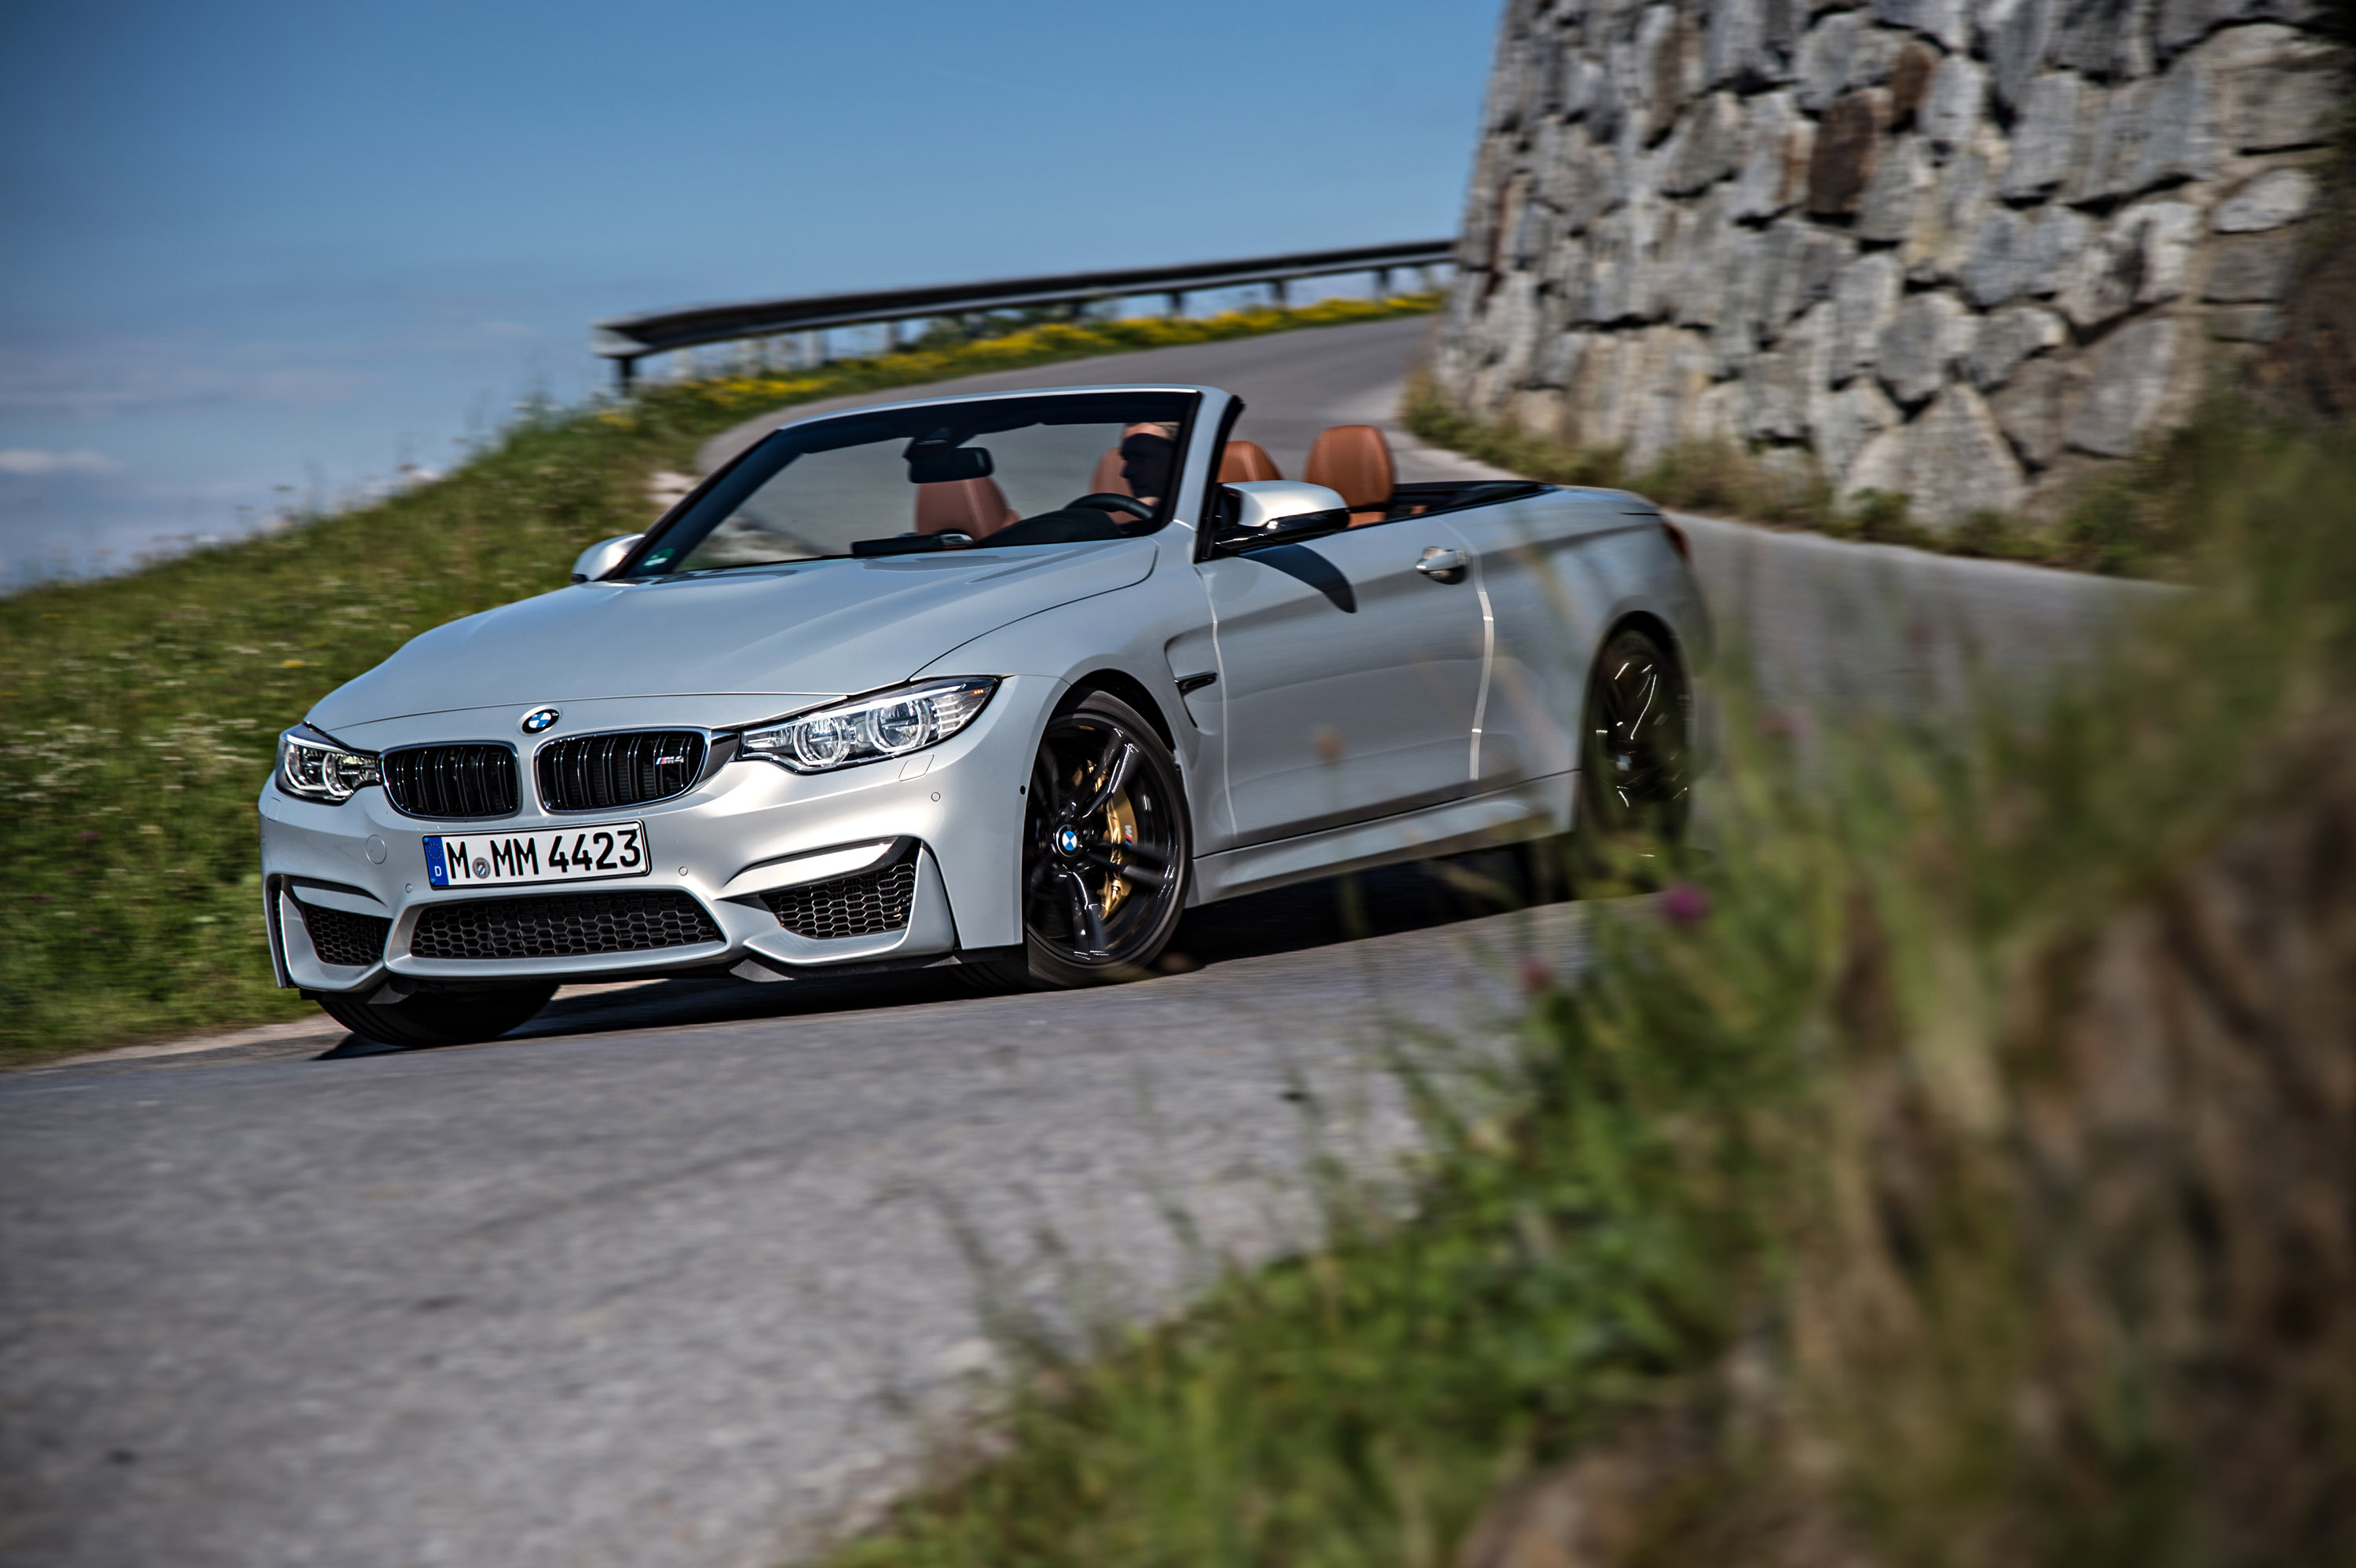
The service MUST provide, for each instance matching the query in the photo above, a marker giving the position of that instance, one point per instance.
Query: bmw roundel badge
(539, 719)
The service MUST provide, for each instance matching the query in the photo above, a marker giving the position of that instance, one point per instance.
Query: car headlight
(869, 729)
(314, 766)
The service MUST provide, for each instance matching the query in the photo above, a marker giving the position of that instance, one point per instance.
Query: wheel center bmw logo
(539, 719)
(1068, 840)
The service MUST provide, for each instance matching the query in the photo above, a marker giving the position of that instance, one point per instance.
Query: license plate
(567, 855)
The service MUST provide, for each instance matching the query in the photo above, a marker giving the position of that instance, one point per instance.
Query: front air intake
(446, 783)
(600, 772)
(565, 925)
(339, 937)
(866, 904)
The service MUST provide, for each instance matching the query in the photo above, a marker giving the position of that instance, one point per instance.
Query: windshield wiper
(910, 544)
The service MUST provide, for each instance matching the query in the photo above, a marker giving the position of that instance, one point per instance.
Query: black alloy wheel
(1105, 848)
(1637, 755)
(440, 1018)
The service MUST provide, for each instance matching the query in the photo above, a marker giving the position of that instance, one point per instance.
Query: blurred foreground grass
(1959, 1169)
(144, 710)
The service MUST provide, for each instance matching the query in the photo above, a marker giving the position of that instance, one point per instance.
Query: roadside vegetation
(143, 710)
(1958, 1168)
(2125, 523)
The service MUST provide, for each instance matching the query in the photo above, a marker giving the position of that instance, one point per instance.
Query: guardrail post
(1279, 291)
(1382, 282)
(624, 372)
(1176, 301)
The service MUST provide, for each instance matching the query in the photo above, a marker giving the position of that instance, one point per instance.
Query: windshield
(1033, 469)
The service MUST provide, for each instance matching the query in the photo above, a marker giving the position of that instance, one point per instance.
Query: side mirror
(604, 555)
(1273, 511)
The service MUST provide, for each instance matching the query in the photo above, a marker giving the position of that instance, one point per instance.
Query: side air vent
(599, 773)
(567, 925)
(354, 941)
(448, 782)
(866, 904)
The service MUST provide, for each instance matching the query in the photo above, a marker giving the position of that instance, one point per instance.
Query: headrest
(1355, 460)
(975, 506)
(1246, 463)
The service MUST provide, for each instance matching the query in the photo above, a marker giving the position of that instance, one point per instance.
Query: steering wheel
(1106, 501)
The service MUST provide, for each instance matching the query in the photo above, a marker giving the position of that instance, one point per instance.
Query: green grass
(1786, 1164)
(143, 710)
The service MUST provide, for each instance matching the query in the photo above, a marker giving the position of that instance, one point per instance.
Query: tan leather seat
(1354, 461)
(1107, 479)
(1244, 461)
(974, 507)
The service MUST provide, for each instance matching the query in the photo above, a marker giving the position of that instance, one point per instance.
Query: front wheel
(1637, 755)
(1105, 848)
(440, 1018)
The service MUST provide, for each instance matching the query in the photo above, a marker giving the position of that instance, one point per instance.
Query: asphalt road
(673, 1276)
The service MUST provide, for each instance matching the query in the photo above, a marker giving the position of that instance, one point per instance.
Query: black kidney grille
(867, 904)
(451, 780)
(355, 941)
(565, 925)
(597, 772)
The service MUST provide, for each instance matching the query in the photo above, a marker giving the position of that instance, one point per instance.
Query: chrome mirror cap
(1264, 504)
(602, 557)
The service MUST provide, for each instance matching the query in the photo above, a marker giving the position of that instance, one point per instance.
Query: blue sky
(256, 252)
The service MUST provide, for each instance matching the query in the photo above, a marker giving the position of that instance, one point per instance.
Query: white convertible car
(1004, 682)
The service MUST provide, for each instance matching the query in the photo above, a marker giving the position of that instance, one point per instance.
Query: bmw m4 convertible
(1004, 682)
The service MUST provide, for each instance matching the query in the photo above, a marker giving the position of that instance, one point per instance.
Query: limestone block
(1706, 147)
(2053, 109)
(2014, 36)
(2252, 269)
(1942, 19)
(2140, 259)
(1840, 423)
(2008, 337)
(1673, 67)
(1797, 263)
(1559, 361)
(1735, 335)
(1952, 460)
(1901, 180)
(2246, 323)
(1913, 351)
(1871, 56)
(2183, 22)
(1582, 84)
(2277, 88)
(1865, 297)
(2273, 199)
(1734, 39)
(2105, 38)
(1718, 413)
(1667, 371)
(2152, 132)
(2033, 412)
(1783, 384)
(1842, 162)
(2054, 239)
(1694, 255)
(1997, 266)
(1956, 105)
(1774, 172)
(2135, 381)
(1821, 69)
(1943, 237)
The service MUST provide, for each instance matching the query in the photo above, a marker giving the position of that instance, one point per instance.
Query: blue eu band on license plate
(592, 852)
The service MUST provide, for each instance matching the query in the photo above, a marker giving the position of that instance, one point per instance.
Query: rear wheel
(1635, 754)
(440, 1018)
(1105, 850)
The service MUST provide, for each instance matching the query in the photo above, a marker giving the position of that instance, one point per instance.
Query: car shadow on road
(1323, 913)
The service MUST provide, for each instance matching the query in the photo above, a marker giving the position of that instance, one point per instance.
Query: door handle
(1441, 565)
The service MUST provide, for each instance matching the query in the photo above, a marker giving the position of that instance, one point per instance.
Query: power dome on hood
(814, 626)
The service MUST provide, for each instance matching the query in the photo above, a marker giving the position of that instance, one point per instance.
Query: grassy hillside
(1961, 1170)
(143, 710)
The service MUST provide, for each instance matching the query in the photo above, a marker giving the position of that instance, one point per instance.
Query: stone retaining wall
(1961, 248)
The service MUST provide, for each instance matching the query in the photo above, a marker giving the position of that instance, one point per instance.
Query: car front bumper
(750, 828)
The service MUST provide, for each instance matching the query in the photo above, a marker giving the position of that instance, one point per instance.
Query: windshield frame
(1196, 401)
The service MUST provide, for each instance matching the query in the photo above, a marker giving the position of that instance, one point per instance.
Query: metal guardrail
(628, 339)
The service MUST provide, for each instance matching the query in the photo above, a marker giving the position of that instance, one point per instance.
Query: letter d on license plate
(586, 854)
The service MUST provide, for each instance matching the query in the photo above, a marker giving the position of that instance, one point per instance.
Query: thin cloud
(33, 461)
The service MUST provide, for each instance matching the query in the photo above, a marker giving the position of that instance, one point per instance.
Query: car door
(1546, 576)
(1350, 668)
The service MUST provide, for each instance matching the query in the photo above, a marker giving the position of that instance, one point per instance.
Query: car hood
(820, 629)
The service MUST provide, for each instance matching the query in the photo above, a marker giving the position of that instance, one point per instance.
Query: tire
(1635, 772)
(440, 1018)
(1105, 849)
